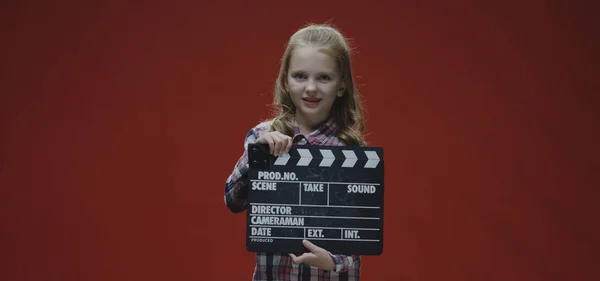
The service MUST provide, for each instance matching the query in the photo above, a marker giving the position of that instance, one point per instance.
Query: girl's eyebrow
(330, 74)
(318, 73)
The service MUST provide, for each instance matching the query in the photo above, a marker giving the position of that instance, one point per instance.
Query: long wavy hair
(347, 110)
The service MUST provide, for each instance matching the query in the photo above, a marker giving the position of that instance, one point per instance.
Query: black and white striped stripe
(344, 157)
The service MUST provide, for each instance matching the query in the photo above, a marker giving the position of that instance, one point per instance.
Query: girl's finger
(271, 142)
(289, 144)
(286, 143)
(278, 144)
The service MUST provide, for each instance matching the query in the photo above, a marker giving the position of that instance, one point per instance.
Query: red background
(115, 148)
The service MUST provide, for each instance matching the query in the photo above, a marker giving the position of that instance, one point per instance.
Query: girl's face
(313, 83)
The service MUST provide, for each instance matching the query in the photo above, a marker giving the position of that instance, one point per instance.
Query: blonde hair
(347, 110)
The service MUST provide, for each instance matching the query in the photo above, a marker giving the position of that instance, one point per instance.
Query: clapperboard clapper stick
(329, 195)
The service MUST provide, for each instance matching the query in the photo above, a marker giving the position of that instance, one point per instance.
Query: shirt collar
(318, 136)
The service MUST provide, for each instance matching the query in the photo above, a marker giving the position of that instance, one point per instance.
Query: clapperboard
(329, 195)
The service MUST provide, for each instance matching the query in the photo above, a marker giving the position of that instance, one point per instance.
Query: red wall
(115, 148)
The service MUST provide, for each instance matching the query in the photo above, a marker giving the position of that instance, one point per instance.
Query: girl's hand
(318, 257)
(278, 142)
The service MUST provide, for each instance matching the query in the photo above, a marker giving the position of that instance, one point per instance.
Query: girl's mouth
(311, 102)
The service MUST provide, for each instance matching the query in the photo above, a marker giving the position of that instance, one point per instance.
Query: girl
(316, 102)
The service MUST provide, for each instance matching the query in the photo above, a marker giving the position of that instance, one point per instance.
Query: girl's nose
(310, 86)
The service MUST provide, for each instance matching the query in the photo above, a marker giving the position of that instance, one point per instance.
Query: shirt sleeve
(343, 263)
(236, 186)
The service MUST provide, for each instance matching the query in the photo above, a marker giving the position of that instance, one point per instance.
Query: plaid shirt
(279, 267)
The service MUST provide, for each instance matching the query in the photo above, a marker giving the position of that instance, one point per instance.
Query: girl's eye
(324, 77)
(299, 76)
